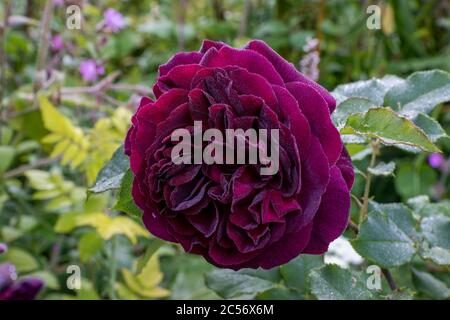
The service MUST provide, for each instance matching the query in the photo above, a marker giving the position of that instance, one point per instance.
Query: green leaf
(424, 208)
(389, 127)
(430, 285)
(110, 176)
(296, 272)
(22, 260)
(125, 202)
(436, 232)
(90, 243)
(413, 180)
(154, 245)
(431, 127)
(188, 273)
(372, 90)
(51, 281)
(383, 169)
(437, 255)
(331, 282)
(421, 92)
(387, 236)
(348, 107)
(66, 222)
(7, 154)
(236, 284)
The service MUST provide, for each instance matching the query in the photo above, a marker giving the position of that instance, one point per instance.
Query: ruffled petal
(247, 59)
(315, 178)
(332, 217)
(345, 165)
(315, 109)
(282, 251)
(180, 58)
(287, 70)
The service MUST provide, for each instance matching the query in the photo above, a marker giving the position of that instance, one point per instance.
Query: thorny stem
(365, 200)
(365, 204)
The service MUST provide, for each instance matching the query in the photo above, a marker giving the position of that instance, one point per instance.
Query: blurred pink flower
(436, 160)
(114, 20)
(58, 3)
(56, 43)
(90, 70)
(12, 289)
(309, 64)
(3, 248)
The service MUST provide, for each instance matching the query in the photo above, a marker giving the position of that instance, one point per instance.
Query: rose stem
(365, 204)
(390, 280)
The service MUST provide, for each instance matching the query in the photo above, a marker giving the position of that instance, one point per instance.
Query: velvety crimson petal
(282, 251)
(251, 105)
(332, 217)
(298, 123)
(157, 112)
(129, 140)
(315, 177)
(287, 70)
(146, 119)
(246, 243)
(198, 105)
(185, 176)
(241, 217)
(208, 44)
(206, 221)
(178, 118)
(138, 195)
(251, 83)
(315, 109)
(157, 225)
(282, 205)
(180, 58)
(228, 257)
(345, 165)
(179, 77)
(247, 59)
(188, 195)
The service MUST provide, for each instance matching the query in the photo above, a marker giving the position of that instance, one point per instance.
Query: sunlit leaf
(389, 127)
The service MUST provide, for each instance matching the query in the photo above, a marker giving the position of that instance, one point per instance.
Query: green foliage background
(62, 202)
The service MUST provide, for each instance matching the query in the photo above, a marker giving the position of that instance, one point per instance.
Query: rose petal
(282, 251)
(180, 58)
(315, 177)
(247, 59)
(332, 217)
(345, 165)
(315, 109)
(287, 70)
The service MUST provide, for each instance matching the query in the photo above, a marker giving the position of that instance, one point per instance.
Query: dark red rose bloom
(230, 214)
